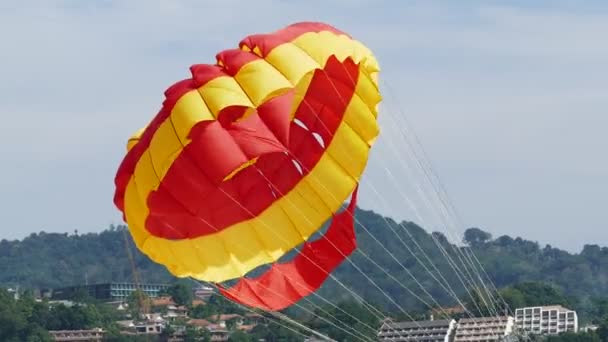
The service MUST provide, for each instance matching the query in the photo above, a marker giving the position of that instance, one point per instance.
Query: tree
(74, 317)
(602, 330)
(274, 332)
(16, 322)
(36, 333)
(192, 334)
(137, 301)
(239, 336)
(231, 323)
(475, 237)
(81, 295)
(51, 260)
(346, 313)
(539, 293)
(202, 311)
(181, 294)
(167, 332)
(574, 337)
(513, 298)
(480, 302)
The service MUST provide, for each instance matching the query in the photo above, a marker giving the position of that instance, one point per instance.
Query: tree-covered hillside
(53, 260)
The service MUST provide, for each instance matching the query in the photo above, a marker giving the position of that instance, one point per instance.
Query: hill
(44, 260)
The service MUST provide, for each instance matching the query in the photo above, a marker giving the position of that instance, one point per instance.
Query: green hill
(46, 260)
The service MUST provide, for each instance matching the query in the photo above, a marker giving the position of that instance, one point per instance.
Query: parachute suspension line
(445, 285)
(354, 265)
(264, 223)
(435, 187)
(466, 250)
(392, 255)
(398, 282)
(493, 289)
(382, 268)
(233, 199)
(409, 249)
(451, 262)
(333, 317)
(445, 218)
(373, 236)
(462, 276)
(349, 156)
(398, 262)
(364, 338)
(437, 243)
(277, 319)
(357, 334)
(370, 308)
(188, 209)
(300, 325)
(386, 221)
(143, 304)
(345, 312)
(351, 262)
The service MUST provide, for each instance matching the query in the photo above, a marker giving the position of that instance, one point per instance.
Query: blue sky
(508, 99)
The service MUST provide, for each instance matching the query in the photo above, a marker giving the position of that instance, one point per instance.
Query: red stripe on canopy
(286, 283)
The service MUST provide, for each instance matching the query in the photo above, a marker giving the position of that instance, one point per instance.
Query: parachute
(249, 157)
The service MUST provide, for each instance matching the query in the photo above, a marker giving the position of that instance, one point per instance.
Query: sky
(508, 100)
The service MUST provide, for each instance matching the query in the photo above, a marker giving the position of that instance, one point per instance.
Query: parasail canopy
(249, 156)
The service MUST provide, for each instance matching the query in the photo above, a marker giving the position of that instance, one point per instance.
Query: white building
(423, 331)
(546, 320)
(484, 329)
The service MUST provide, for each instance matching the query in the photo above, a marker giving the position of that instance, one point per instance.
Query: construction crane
(144, 308)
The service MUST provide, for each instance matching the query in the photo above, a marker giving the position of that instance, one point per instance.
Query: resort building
(546, 320)
(418, 331)
(484, 329)
(109, 291)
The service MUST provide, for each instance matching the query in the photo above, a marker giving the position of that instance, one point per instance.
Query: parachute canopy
(249, 156)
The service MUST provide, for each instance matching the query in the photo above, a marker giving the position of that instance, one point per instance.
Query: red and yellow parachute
(249, 157)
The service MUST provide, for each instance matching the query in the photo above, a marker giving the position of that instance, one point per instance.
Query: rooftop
(419, 324)
(547, 307)
(484, 319)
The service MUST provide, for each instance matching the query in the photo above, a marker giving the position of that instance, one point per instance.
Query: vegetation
(47, 260)
(28, 320)
(526, 273)
(344, 320)
(181, 293)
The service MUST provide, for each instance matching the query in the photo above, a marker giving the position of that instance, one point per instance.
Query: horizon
(459, 243)
(506, 99)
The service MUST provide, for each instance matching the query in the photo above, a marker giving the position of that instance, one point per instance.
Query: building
(152, 326)
(484, 329)
(109, 291)
(218, 332)
(77, 335)
(203, 292)
(423, 331)
(546, 320)
(589, 328)
(172, 310)
(14, 292)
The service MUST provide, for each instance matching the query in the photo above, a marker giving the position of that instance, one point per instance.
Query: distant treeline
(47, 260)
